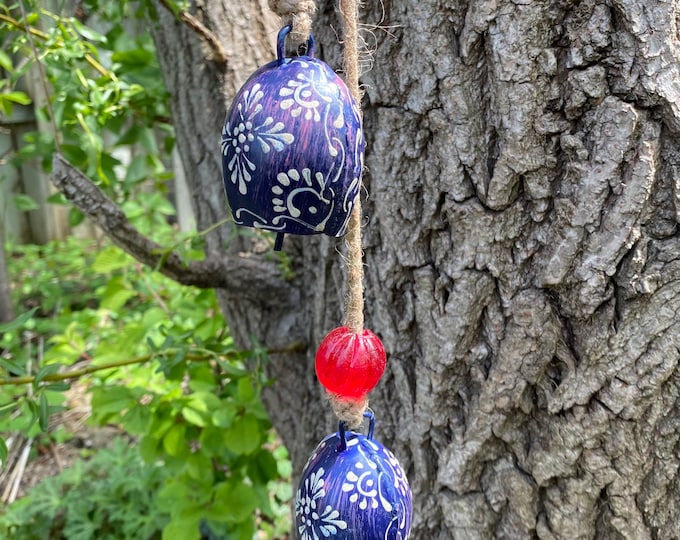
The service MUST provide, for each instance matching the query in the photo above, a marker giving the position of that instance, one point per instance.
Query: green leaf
(262, 467)
(137, 170)
(44, 412)
(57, 198)
(212, 441)
(116, 294)
(185, 529)
(135, 57)
(33, 411)
(17, 97)
(75, 217)
(243, 531)
(59, 386)
(74, 153)
(244, 436)
(224, 416)
(44, 371)
(87, 32)
(5, 62)
(7, 108)
(193, 416)
(174, 367)
(7, 408)
(148, 448)
(153, 316)
(137, 419)
(17, 323)
(174, 441)
(24, 203)
(3, 451)
(204, 402)
(245, 392)
(234, 503)
(107, 400)
(13, 368)
(200, 467)
(110, 259)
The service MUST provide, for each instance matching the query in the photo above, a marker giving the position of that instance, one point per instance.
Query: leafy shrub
(112, 496)
(161, 364)
(157, 356)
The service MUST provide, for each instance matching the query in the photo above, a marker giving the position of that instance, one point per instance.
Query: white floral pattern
(313, 521)
(246, 130)
(303, 187)
(353, 491)
(400, 480)
(362, 486)
(292, 149)
(366, 481)
(301, 95)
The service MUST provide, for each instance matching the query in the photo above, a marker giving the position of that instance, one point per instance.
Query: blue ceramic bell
(353, 488)
(292, 148)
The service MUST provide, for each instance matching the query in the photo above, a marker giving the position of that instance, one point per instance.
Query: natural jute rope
(354, 316)
(352, 412)
(297, 12)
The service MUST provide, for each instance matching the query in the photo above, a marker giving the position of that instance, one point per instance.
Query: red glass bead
(350, 364)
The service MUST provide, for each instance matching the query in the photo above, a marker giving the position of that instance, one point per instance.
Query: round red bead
(350, 364)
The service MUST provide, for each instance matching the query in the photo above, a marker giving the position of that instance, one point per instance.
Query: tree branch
(202, 30)
(89, 199)
(93, 368)
(42, 35)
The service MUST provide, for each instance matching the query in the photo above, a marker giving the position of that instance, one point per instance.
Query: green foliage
(157, 356)
(113, 496)
(195, 405)
(106, 92)
(163, 368)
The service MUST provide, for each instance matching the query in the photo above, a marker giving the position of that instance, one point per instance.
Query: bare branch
(89, 199)
(202, 30)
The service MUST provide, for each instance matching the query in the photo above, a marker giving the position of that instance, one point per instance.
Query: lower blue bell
(353, 488)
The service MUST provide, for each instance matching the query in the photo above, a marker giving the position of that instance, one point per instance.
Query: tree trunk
(521, 249)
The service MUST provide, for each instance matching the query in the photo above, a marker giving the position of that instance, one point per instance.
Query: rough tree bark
(521, 247)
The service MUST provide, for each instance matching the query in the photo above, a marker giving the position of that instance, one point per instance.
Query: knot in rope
(299, 13)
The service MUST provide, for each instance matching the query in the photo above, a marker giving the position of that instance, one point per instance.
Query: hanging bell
(292, 148)
(353, 488)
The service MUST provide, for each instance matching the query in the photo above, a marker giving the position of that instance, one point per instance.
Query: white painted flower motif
(310, 203)
(365, 483)
(303, 98)
(313, 520)
(362, 484)
(243, 130)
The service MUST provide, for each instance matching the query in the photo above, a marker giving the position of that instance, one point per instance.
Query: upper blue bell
(292, 147)
(353, 488)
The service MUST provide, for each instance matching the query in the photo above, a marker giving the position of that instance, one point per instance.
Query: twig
(77, 373)
(239, 273)
(202, 30)
(21, 468)
(192, 357)
(85, 195)
(11, 458)
(244, 273)
(42, 35)
(55, 455)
